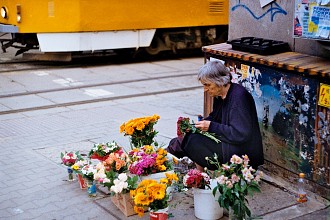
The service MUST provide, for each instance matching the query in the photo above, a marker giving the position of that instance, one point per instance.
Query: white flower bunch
(111, 146)
(120, 183)
(88, 171)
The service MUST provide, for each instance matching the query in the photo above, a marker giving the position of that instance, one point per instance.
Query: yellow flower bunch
(140, 130)
(151, 193)
(170, 178)
(161, 160)
(139, 124)
(148, 149)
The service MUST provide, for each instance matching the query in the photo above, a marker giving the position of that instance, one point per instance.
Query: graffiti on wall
(273, 9)
(295, 131)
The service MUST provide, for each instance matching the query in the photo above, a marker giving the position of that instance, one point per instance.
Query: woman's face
(212, 89)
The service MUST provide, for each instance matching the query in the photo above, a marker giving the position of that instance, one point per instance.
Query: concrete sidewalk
(33, 182)
(276, 201)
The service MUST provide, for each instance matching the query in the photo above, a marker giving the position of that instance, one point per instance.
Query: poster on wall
(312, 19)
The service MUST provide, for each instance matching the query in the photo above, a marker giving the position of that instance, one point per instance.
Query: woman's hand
(203, 125)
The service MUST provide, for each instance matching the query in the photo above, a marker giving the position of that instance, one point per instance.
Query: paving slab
(33, 182)
(272, 203)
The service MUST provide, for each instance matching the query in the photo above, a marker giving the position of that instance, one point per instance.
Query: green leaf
(214, 191)
(252, 189)
(248, 212)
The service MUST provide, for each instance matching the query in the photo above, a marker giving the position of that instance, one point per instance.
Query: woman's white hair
(214, 72)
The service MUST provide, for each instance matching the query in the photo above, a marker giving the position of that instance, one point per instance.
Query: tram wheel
(155, 46)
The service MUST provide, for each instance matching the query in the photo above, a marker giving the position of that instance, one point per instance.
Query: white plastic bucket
(205, 205)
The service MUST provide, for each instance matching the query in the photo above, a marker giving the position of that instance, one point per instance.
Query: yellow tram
(86, 25)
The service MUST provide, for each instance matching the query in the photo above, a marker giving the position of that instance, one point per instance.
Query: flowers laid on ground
(234, 182)
(196, 179)
(146, 160)
(184, 126)
(141, 130)
(101, 151)
(151, 193)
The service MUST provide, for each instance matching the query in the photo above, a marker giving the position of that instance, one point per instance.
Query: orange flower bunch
(117, 161)
(140, 130)
(151, 193)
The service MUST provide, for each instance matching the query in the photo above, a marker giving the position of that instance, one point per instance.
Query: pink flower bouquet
(146, 160)
(235, 181)
(196, 179)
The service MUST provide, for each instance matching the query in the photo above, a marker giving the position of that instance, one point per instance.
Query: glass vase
(70, 174)
(91, 188)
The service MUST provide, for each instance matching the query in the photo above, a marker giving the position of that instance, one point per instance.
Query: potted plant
(117, 161)
(121, 187)
(107, 170)
(148, 160)
(113, 174)
(68, 159)
(234, 182)
(140, 130)
(150, 163)
(205, 205)
(77, 169)
(152, 194)
(88, 172)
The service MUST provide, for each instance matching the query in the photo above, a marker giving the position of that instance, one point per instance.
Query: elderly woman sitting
(233, 119)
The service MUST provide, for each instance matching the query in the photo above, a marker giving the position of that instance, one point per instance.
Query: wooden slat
(304, 62)
(273, 59)
(320, 70)
(293, 61)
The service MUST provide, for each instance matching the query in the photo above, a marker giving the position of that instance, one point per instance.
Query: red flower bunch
(101, 151)
(184, 126)
(69, 158)
(197, 179)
